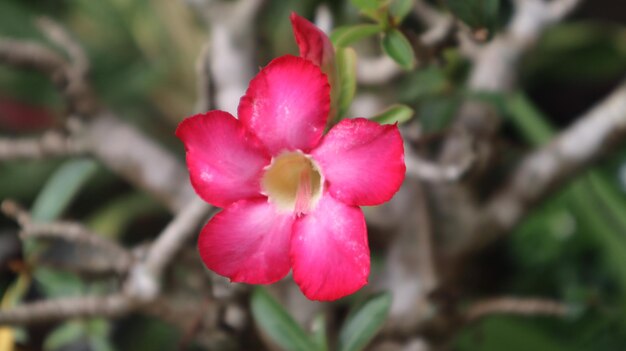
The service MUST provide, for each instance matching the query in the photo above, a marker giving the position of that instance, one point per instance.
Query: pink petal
(225, 161)
(248, 242)
(362, 161)
(313, 43)
(329, 251)
(287, 104)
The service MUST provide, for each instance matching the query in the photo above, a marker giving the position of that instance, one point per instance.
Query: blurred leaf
(320, 337)
(276, 322)
(366, 4)
(114, 217)
(502, 333)
(396, 113)
(65, 334)
(12, 296)
(346, 66)
(528, 119)
(362, 325)
(436, 113)
(347, 35)
(423, 83)
(399, 9)
(578, 51)
(61, 188)
(396, 45)
(57, 283)
(22, 179)
(476, 13)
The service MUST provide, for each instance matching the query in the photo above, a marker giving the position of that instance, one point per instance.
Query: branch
(594, 134)
(64, 308)
(431, 172)
(126, 151)
(516, 306)
(68, 231)
(50, 144)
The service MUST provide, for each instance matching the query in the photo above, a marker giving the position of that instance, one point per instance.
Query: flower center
(293, 182)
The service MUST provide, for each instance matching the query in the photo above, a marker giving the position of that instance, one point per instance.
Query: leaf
(366, 4)
(276, 322)
(320, 337)
(362, 325)
(528, 119)
(476, 13)
(347, 35)
(61, 188)
(399, 9)
(396, 113)
(346, 66)
(65, 334)
(396, 45)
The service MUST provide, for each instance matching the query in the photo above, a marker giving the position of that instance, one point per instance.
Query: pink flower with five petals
(291, 195)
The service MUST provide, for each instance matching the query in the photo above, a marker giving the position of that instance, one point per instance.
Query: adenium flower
(291, 194)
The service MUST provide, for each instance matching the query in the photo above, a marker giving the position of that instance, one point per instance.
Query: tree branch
(69, 231)
(516, 306)
(590, 137)
(50, 144)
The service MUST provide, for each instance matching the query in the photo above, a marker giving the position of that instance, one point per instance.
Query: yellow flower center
(293, 182)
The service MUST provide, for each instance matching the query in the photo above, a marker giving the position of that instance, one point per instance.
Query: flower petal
(248, 242)
(362, 161)
(225, 161)
(313, 43)
(287, 104)
(329, 250)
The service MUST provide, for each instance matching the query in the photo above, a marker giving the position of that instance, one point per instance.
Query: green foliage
(398, 47)
(363, 323)
(346, 66)
(476, 13)
(396, 113)
(276, 322)
(348, 35)
(61, 188)
(399, 9)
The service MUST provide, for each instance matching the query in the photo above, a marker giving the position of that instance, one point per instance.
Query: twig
(431, 172)
(175, 235)
(594, 133)
(205, 91)
(51, 143)
(439, 24)
(516, 306)
(63, 308)
(69, 231)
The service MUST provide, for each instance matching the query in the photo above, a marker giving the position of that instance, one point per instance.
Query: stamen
(303, 196)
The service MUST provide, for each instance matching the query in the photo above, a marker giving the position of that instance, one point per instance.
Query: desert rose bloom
(290, 195)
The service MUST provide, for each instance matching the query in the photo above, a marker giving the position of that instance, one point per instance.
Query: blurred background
(145, 57)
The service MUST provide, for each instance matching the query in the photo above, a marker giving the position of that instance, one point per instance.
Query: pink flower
(291, 195)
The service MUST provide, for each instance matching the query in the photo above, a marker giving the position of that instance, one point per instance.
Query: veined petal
(329, 250)
(248, 242)
(362, 161)
(225, 161)
(287, 104)
(313, 43)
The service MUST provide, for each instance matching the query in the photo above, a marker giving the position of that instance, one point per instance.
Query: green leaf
(320, 337)
(274, 320)
(397, 46)
(476, 13)
(396, 113)
(346, 35)
(346, 67)
(365, 5)
(64, 335)
(362, 325)
(399, 9)
(61, 188)
(528, 119)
